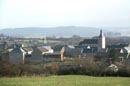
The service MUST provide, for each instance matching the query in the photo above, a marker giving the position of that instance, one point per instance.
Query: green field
(69, 80)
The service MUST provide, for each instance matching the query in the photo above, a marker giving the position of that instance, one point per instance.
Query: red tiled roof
(42, 49)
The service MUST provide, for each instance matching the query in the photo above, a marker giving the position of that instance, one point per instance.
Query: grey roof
(89, 41)
(57, 47)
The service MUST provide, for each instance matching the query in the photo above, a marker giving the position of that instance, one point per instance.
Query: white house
(128, 50)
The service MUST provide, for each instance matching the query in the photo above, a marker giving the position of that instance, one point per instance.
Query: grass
(68, 80)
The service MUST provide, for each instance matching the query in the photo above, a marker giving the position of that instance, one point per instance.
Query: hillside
(62, 31)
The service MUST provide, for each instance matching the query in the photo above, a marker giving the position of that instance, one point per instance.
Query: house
(128, 50)
(17, 55)
(21, 55)
(28, 54)
(123, 50)
(57, 56)
(88, 51)
(72, 52)
(35, 56)
(51, 57)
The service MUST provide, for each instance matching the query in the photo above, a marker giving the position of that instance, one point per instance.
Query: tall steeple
(101, 34)
(102, 40)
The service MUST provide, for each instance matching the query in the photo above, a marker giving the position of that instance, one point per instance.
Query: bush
(81, 67)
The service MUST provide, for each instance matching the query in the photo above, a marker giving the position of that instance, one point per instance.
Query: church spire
(45, 39)
(101, 33)
(102, 40)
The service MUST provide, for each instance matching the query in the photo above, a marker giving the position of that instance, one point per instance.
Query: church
(98, 43)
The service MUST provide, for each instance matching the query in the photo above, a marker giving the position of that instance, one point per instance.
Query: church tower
(102, 40)
(45, 40)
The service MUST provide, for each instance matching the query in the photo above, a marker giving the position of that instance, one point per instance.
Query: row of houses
(19, 54)
(58, 53)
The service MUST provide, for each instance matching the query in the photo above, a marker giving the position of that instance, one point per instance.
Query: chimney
(62, 54)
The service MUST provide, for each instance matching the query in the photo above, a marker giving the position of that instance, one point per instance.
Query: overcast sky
(52, 13)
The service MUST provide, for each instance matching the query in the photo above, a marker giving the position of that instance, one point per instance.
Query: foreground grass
(69, 80)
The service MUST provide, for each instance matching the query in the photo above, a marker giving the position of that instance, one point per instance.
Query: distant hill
(55, 31)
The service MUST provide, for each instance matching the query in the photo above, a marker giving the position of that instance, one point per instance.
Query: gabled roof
(17, 49)
(58, 47)
(128, 49)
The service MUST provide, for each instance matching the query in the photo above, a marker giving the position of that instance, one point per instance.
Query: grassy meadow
(68, 80)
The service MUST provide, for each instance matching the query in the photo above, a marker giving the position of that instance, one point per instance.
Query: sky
(53, 13)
